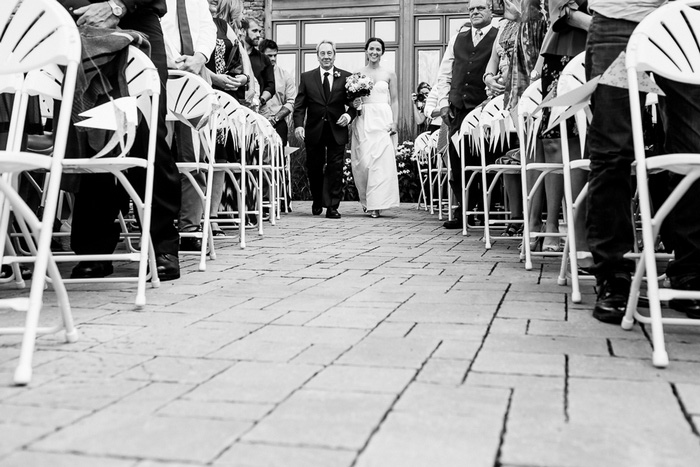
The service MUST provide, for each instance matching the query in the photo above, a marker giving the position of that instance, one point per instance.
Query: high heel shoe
(374, 214)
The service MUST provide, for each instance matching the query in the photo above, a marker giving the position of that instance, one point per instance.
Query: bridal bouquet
(358, 85)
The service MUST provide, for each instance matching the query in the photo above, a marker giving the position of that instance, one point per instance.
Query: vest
(467, 89)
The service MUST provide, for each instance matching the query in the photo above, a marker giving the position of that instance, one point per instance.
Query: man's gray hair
(325, 41)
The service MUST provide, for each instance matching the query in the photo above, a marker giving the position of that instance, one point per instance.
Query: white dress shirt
(330, 75)
(444, 76)
(202, 28)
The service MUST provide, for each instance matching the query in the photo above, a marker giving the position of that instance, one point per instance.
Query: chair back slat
(667, 42)
(34, 33)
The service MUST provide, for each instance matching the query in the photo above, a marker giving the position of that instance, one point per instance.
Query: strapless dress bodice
(379, 94)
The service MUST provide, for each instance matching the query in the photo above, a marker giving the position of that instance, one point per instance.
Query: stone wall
(255, 9)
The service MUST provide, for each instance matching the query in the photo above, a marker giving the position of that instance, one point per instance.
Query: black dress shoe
(612, 298)
(688, 306)
(453, 224)
(332, 213)
(168, 267)
(316, 211)
(190, 244)
(92, 270)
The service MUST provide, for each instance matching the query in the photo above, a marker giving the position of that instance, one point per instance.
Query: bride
(374, 137)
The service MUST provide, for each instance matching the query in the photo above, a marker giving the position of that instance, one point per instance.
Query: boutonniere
(336, 74)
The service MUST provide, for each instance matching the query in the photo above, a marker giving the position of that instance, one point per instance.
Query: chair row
(41, 50)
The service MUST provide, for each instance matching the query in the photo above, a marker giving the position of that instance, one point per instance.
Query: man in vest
(460, 85)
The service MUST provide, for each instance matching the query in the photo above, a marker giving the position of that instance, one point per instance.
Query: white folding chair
(494, 127)
(421, 151)
(664, 43)
(192, 102)
(529, 119)
(36, 33)
(468, 134)
(572, 77)
(439, 173)
(143, 86)
(233, 123)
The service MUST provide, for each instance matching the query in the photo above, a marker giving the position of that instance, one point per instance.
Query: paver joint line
(486, 334)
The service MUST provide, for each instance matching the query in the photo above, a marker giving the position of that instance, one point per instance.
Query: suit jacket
(311, 103)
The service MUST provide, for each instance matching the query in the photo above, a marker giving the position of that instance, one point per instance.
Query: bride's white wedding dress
(373, 152)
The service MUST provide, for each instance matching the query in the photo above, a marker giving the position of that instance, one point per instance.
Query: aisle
(351, 342)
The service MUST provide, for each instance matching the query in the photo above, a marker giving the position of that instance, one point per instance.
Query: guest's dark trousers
(99, 199)
(609, 222)
(326, 185)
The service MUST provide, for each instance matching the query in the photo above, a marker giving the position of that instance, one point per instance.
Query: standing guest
(459, 83)
(262, 67)
(98, 201)
(281, 104)
(321, 119)
(608, 221)
(190, 39)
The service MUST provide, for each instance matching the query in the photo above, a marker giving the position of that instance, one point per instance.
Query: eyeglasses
(476, 8)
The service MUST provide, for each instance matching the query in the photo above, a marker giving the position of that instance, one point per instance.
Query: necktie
(478, 34)
(326, 85)
(186, 47)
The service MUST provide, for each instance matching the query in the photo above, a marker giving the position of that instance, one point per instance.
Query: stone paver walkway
(357, 342)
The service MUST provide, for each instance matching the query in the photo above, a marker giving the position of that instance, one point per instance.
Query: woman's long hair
(230, 11)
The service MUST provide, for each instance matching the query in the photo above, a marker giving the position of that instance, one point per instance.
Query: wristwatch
(116, 9)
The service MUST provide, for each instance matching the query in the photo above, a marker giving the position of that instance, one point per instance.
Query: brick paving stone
(260, 351)
(77, 393)
(254, 382)
(176, 370)
(416, 312)
(584, 366)
(139, 436)
(215, 410)
(150, 398)
(443, 371)
(532, 310)
(690, 395)
(267, 455)
(14, 437)
(509, 326)
(323, 418)
(321, 354)
(546, 344)
(39, 459)
(351, 317)
(361, 379)
(40, 416)
(390, 352)
(441, 331)
(464, 424)
(522, 363)
(457, 349)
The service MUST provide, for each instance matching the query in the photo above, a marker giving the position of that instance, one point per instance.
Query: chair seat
(102, 165)
(191, 166)
(505, 168)
(545, 166)
(584, 164)
(682, 163)
(18, 161)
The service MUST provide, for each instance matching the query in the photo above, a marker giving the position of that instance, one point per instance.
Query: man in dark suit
(323, 100)
(460, 84)
(99, 199)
